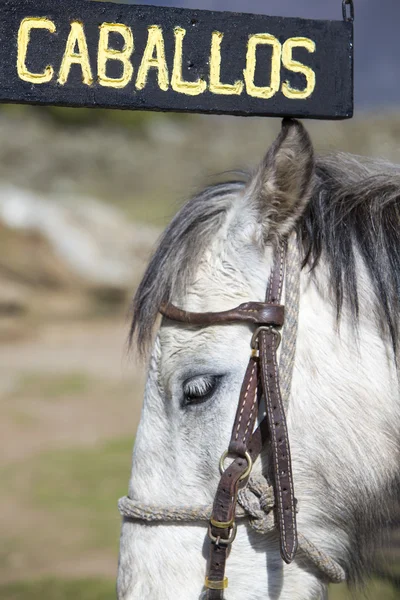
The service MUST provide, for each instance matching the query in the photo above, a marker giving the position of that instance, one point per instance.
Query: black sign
(80, 53)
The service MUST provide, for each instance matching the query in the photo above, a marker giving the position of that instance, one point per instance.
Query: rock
(73, 240)
(65, 258)
(13, 299)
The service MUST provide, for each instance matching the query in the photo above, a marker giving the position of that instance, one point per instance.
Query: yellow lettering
(24, 36)
(76, 40)
(155, 44)
(298, 67)
(190, 88)
(123, 56)
(216, 86)
(251, 65)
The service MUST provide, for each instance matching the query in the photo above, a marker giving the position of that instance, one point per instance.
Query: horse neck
(343, 419)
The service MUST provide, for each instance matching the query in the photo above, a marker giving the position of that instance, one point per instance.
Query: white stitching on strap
(274, 440)
(251, 414)
(244, 403)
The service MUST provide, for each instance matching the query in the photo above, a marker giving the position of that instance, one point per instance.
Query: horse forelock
(179, 253)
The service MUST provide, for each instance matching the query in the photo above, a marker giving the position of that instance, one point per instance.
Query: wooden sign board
(81, 53)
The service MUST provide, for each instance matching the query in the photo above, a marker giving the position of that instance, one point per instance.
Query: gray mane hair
(355, 209)
(178, 254)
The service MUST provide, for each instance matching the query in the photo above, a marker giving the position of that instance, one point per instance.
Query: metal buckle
(218, 541)
(249, 464)
(270, 329)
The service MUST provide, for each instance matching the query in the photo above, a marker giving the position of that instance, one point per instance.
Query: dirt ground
(88, 350)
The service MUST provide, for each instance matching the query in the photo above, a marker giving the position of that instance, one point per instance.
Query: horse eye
(199, 389)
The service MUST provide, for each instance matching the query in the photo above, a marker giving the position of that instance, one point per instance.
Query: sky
(377, 39)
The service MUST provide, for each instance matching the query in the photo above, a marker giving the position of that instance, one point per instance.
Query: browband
(258, 313)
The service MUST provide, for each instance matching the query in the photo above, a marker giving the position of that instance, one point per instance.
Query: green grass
(80, 487)
(55, 589)
(87, 484)
(96, 589)
(51, 387)
(375, 591)
(81, 478)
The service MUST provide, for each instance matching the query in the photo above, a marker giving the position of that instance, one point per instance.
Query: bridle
(260, 388)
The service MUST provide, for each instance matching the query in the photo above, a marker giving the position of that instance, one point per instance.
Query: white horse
(344, 409)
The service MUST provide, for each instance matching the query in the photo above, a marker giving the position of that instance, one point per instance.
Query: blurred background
(84, 195)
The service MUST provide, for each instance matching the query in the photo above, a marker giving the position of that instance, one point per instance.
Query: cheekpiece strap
(268, 343)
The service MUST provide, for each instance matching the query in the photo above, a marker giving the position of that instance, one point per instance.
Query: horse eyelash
(199, 387)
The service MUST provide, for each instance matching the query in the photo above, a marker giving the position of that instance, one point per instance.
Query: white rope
(292, 303)
(255, 502)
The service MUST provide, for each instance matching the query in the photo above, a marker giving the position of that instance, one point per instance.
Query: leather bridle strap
(268, 343)
(222, 528)
(261, 379)
(257, 313)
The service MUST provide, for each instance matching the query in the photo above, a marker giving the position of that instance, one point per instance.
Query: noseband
(260, 388)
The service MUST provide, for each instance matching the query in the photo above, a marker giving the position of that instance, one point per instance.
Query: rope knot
(262, 490)
(257, 500)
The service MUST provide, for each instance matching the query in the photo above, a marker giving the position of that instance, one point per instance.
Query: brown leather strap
(247, 411)
(258, 313)
(219, 552)
(282, 468)
(222, 525)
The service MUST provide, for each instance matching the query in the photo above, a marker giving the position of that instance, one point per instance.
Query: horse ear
(283, 183)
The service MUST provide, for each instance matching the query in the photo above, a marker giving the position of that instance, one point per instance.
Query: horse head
(338, 218)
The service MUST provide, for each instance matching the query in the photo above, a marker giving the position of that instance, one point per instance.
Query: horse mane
(178, 254)
(354, 212)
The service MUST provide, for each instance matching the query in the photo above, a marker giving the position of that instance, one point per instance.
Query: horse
(339, 216)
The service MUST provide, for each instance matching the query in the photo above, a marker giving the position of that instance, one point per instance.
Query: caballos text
(116, 48)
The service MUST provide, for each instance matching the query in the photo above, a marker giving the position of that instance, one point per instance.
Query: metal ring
(247, 471)
(218, 541)
(346, 15)
(222, 524)
(270, 329)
